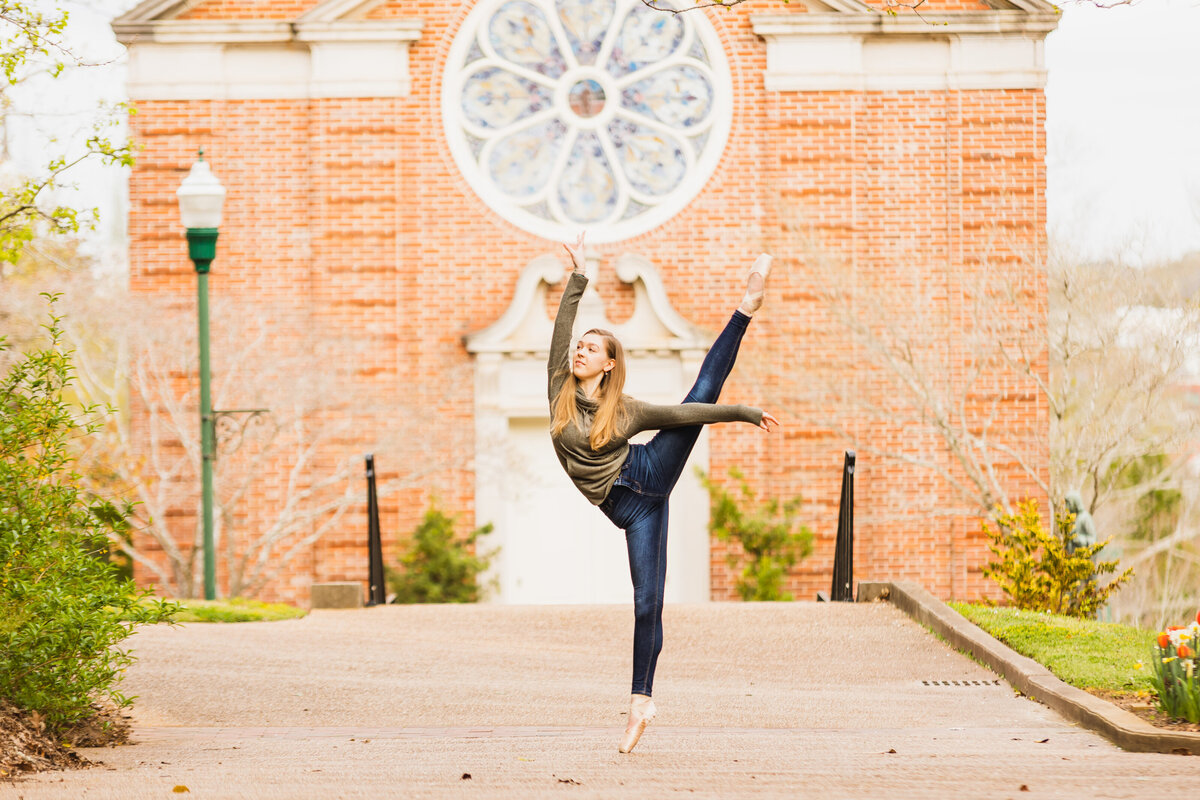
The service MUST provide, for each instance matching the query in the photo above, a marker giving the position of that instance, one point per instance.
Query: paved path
(764, 700)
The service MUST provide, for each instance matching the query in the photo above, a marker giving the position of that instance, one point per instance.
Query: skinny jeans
(637, 503)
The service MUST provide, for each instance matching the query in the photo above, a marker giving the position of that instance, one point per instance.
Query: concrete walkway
(764, 700)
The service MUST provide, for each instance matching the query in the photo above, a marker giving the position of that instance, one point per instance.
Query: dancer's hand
(577, 253)
(768, 422)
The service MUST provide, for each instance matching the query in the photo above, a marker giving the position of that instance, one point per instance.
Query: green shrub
(437, 568)
(772, 540)
(1036, 572)
(64, 610)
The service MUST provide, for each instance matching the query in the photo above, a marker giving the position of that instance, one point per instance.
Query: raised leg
(668, 451)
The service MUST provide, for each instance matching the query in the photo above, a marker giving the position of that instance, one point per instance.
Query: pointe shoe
(641, 713)
(753, 299)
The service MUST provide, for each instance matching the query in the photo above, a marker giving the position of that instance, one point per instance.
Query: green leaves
(63, 610)
(1036, 572)
(32, 43)
(437, 568)
(771, 539)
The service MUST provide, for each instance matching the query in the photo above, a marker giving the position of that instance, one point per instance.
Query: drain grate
(961, 683)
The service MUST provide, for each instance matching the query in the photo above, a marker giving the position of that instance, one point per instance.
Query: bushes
(772, 540)
(1036, 572)
(64, 610)
(436, 567)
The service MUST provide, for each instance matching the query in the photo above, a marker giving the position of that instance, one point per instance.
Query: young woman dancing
(591, 423)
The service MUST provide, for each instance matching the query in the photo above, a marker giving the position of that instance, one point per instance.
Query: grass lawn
(236, 609)
(1082, 652)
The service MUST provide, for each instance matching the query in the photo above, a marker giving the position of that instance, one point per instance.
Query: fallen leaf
(466, 776)
(1024, 788)
(891, 751)
(180, 789)
(1043, 741)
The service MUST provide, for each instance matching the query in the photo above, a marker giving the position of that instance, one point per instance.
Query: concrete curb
(1124, 729)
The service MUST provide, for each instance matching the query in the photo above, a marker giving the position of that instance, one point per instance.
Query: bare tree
(954, 357)
(944, 356)
(283, 480)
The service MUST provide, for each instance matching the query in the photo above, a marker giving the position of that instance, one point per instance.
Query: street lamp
(201, 196)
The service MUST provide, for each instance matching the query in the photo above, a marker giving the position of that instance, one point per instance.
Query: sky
(1122, 127)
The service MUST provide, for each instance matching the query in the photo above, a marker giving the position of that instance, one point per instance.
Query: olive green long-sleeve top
(595, 471)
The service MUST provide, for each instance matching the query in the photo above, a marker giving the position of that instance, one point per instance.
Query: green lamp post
(200, 199)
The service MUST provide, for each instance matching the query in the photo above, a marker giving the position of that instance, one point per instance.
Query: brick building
(399, 172)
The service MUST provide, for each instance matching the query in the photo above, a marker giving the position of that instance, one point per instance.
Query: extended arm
(647, 416)
(559, 363)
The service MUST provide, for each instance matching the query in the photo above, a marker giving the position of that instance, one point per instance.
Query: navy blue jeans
(638, 503)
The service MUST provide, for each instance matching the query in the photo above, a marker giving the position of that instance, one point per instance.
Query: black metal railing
(377, 593)
(843, 556)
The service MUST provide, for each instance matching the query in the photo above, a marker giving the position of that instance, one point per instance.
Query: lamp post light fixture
(200, 199)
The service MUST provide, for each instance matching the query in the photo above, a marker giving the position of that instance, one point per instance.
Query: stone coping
(1124, 729)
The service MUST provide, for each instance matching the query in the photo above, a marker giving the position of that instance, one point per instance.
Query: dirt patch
(26, 746)
(1146, 707)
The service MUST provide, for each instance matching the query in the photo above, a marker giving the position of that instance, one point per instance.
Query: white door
(556, 547)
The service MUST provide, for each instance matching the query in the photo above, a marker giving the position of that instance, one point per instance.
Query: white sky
(1123, 125)
(1123, 129)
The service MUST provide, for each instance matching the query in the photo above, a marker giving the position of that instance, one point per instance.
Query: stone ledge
(1124, 729)
(344, 594)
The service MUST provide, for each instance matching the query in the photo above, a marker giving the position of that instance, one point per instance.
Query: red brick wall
(350, 217)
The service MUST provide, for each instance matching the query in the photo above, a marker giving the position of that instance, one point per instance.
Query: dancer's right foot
(756, 285)
(641, 712)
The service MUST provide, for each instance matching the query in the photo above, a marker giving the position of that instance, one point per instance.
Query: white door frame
(664, 353)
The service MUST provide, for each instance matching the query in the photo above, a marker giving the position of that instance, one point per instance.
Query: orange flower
(1198, 617)
(1164, 640)
(1185, 652)
(1171, 628)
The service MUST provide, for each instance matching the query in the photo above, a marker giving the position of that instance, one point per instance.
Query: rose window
(604, 114)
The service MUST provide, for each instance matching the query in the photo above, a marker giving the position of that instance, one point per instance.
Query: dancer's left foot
(641, 712)
(756, 285)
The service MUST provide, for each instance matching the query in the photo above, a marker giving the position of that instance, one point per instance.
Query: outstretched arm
(559, 363)
(647, 416)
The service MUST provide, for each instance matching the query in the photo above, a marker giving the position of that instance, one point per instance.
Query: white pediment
(845, 45)
(525, 328)
(332, 50)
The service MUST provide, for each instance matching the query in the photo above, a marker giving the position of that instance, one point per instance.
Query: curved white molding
(652, 308)
(866, 50)
(524, 327)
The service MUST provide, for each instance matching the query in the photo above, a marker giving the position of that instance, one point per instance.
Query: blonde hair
(610, 412)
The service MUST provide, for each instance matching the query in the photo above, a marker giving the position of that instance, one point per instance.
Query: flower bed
(1174, 676)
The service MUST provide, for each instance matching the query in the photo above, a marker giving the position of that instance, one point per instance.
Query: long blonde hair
(610, 412)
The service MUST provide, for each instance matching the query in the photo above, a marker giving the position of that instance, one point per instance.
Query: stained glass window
(599, 113)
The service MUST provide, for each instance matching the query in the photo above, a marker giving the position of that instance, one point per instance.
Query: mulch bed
(1146, 708)
(26, 746)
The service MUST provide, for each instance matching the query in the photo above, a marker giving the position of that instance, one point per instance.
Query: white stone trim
(878, 52)
(180, 60)
(334, 10)
(186, 31)
(330, 51)
(371, 30)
